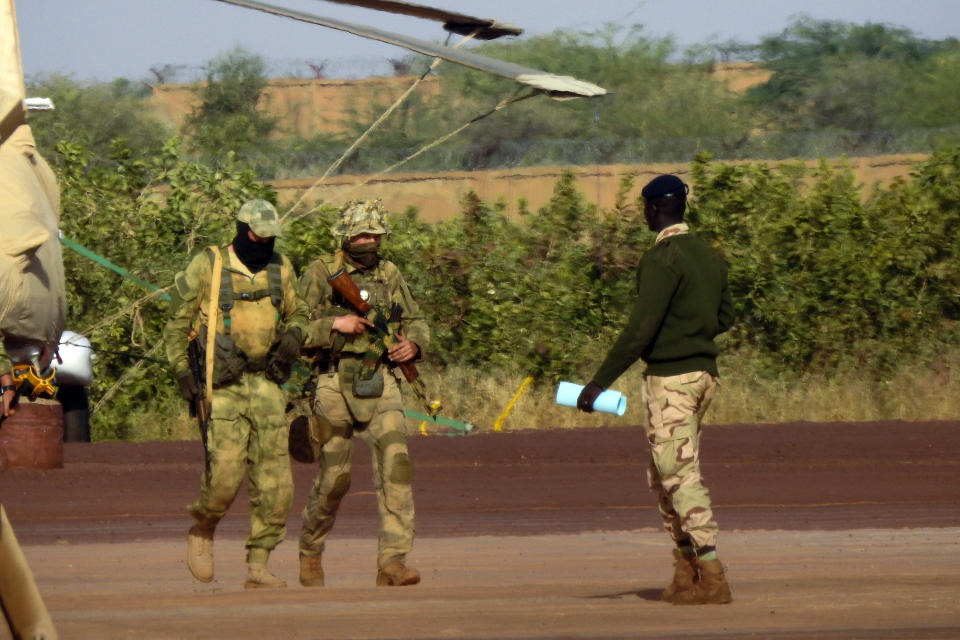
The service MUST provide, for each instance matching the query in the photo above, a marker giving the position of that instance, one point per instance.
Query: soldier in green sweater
(682, 303)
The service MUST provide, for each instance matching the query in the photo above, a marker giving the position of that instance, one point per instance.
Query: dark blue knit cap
(665, 185)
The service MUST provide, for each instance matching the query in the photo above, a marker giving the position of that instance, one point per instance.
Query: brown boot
(684, 574)
(311, 571)
(259, 577)
(397, 574)
(711, 588)
(200, 553)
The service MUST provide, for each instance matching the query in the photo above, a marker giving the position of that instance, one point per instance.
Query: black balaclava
(362, 254)
(254, 255)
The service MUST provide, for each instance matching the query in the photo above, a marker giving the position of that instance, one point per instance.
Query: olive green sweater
(682, 303)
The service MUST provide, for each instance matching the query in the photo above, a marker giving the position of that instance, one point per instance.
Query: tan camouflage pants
(248, 436)
(385, 435)
(675, 406)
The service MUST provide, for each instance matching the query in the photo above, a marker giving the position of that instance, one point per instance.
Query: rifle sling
(212, 321)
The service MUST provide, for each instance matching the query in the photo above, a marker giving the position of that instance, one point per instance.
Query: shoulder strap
(216, 277)
(275, 280)
(225, 288)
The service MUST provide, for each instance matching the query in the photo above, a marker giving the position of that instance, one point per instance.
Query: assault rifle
(199, 409)
(343, 284)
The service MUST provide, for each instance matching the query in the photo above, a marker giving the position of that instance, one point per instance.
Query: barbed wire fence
(316, 68)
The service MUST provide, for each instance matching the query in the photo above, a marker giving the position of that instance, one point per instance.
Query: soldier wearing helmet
(241, 303)
(340, 343)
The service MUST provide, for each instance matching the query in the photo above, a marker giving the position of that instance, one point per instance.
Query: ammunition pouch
(371, 387)
(354, 382)
(229, 360)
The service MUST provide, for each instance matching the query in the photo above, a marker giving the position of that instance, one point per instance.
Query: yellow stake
(498, 425)
(423, 428)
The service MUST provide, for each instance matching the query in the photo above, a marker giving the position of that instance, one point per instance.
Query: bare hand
(351, 325)
(403, 351)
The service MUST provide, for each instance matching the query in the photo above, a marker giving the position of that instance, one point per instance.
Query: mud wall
(303, 106)
(437, 196)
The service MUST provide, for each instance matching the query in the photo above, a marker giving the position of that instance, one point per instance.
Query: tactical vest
(225, 359)
(227, 297)
(376, 284)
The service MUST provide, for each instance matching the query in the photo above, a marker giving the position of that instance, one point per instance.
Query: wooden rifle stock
(343, 284)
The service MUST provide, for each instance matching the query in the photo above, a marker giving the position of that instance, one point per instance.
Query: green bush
(824, 277)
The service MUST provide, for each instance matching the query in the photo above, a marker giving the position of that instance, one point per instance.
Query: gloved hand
(587, 397)
(288, 348)
(284, 353)
(188, 388)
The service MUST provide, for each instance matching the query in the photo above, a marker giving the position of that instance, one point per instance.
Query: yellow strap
(498, 425)
(212, 321)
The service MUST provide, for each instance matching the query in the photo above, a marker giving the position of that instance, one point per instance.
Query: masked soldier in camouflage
(341, 340)
(251, 296)
(682, 303)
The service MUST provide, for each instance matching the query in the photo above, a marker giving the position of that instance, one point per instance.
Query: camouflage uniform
(675, 407)
(379, 422)
(247, 429)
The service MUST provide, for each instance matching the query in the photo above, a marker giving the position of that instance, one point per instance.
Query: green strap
(225, 301)
(275, 281)
(462, 427)
(109, 265)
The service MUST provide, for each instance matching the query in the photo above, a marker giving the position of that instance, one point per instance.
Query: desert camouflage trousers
(385, 436)
(675, 407)
(248, 435)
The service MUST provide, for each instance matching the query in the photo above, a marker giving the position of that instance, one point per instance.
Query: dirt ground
(828, 531)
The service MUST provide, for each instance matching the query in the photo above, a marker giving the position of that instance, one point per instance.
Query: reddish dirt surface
(829, 531)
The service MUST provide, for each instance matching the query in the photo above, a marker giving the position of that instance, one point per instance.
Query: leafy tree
(94, 116)
(228, 117)
(832, 76)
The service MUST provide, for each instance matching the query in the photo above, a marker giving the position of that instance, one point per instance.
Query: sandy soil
(829, 531)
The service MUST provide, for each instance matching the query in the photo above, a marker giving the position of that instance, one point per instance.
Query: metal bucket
(32, 438)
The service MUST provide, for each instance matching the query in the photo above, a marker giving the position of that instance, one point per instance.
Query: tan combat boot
(397, 574)
(200, 553)
(259, 577)
(684, 575)
(311, 571)
(711, 588)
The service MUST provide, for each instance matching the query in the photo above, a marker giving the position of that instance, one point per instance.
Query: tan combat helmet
(261, 216)
(361, 216)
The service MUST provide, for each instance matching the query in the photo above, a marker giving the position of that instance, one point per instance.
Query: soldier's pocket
(330, 404)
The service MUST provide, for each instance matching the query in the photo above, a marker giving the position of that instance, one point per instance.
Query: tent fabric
(32, 303)
(12, 90)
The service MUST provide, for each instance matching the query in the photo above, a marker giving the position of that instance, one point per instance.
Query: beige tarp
(12, 90)
(32, 305)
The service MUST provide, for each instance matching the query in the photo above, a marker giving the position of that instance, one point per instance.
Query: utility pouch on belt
(229, 360)
(351, 384)
(369, 388)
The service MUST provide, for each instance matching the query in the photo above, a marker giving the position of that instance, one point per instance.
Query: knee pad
(401, 471)
(340, 486)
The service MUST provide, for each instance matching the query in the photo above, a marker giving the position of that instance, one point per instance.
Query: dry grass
(916, 392)
(747, 395)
